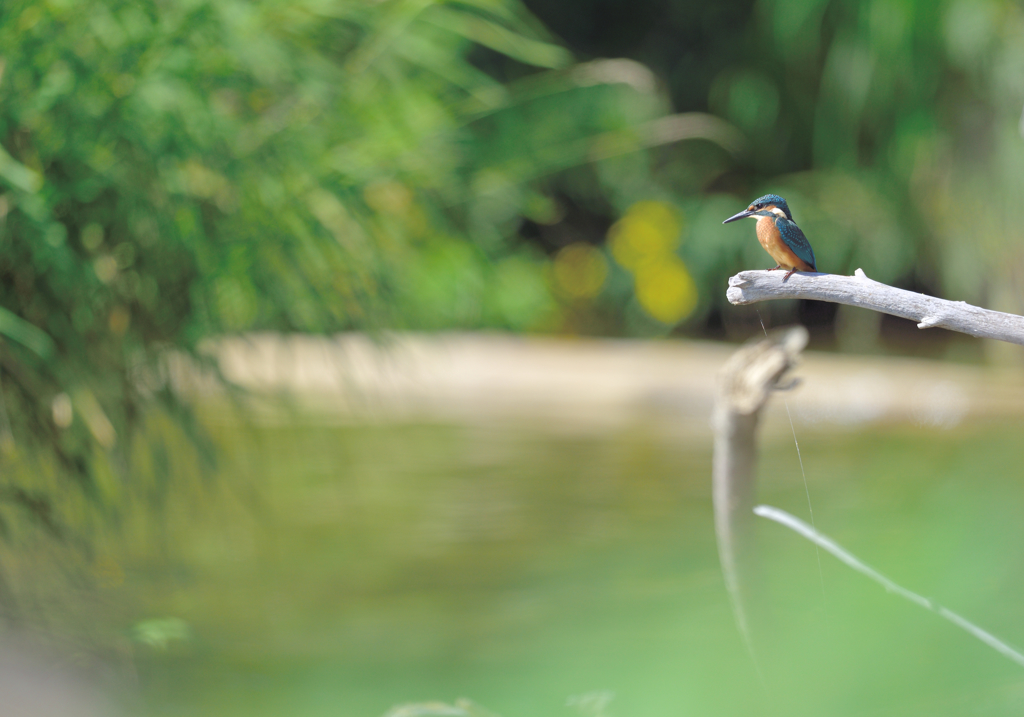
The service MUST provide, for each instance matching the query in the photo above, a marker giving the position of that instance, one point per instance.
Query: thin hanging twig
(825, 543)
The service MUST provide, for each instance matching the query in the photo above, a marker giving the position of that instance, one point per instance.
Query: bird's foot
(779, 266)
(788, 274)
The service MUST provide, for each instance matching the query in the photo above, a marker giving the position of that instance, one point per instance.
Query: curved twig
(749, 287)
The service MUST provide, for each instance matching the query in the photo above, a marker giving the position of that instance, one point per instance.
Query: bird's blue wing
(796, 240)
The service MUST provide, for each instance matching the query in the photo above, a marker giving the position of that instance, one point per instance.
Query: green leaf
(499, 38)
(31, 337)
(18, 175)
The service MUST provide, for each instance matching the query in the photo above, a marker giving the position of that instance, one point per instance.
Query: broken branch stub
(744, 384)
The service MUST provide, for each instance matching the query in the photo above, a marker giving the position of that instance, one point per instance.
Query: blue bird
(779, 234)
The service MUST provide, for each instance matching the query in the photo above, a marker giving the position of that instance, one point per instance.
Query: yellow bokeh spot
(644, 242)
(388, 197)
(119, 320)
(647, 232)
(664, 217)
(580, 270)
(666, 290)
(394, 199)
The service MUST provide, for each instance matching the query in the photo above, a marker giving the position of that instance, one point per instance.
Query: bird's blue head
(762, 207)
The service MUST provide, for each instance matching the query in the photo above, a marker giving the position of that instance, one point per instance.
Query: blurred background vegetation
(172, 171)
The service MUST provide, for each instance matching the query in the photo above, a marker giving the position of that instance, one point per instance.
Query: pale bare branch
(749, 287)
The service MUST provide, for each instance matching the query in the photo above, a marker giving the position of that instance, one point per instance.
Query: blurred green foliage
(176, 170)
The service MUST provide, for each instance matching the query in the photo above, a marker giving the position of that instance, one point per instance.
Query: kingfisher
(779, 234)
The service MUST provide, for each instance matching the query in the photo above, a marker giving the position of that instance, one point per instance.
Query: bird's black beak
(742, 215)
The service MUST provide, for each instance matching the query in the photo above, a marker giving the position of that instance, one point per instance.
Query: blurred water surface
(348, 569)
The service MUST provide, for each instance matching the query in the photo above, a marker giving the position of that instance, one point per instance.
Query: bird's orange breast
(769, 237)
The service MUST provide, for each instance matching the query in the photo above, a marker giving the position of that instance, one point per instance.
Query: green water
(345, 570)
